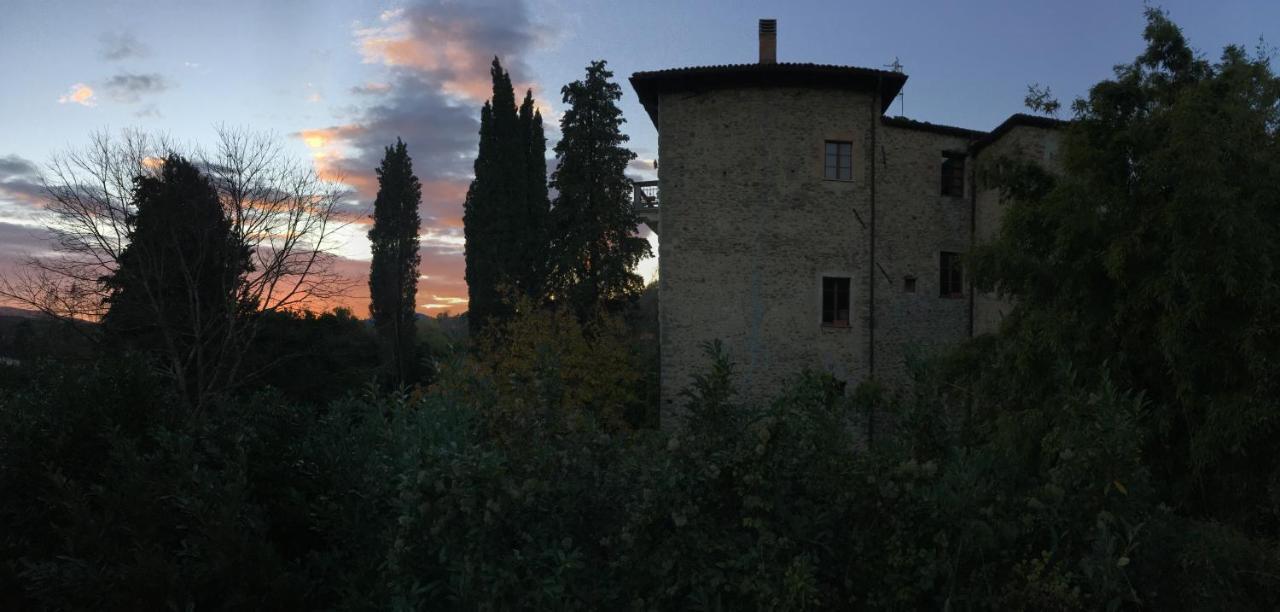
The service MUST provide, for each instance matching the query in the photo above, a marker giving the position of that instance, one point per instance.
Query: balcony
(644, 199)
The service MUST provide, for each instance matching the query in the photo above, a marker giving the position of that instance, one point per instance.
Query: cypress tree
(596, 244)
(393, 273)
(533, 229)
(506, 210)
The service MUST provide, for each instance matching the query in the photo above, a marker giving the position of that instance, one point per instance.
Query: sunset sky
(339, 80)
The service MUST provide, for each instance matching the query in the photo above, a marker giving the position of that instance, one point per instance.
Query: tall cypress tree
(393, 274)
(531, 264)
(596, 247)
(506, 211)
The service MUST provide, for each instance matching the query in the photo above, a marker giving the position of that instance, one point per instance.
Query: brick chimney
(768, 41)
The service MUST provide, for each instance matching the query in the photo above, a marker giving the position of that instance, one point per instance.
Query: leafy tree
(314, 358)
(393, 273)
(1153, 262)
(504, 216)
(176, 291)
(596, 247)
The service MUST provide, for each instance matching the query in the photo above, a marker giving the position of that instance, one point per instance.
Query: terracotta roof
(649, 85)
(925, 126)
(1014, 121)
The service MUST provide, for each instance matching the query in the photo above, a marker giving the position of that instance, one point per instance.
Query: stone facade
(750, 227)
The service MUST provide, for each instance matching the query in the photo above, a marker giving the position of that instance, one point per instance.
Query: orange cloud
(326, 145)
(79, 94)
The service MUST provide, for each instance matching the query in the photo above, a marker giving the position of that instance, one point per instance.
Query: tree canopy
(1153, 263)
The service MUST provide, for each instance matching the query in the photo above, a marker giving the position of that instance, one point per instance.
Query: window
(909, 284)
(951, 279)
(835, 301)
(953, 174)
(839, 162)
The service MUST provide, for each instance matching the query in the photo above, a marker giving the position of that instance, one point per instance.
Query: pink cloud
(452, 42)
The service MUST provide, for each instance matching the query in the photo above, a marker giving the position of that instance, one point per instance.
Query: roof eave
(1016, 120)
(650, 85)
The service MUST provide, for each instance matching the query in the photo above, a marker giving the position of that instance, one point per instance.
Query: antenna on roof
(896, 66)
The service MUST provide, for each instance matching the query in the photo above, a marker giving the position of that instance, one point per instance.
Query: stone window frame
(834, 322)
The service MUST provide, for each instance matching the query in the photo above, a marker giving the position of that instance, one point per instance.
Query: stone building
(803, 228)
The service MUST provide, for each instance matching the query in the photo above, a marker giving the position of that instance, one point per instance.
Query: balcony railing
(645, 195)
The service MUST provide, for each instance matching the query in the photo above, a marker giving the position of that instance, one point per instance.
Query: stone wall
(750, 227)
(915, 224)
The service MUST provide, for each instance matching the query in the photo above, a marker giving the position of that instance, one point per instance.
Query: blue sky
(337, 80)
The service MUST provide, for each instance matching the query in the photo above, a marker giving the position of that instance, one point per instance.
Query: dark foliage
(1152, 262)
(596, 247)
(313, 358)
(177, 289)
(393, 273)
(505, 213)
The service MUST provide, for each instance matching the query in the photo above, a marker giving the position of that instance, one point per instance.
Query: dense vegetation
(1107, 449)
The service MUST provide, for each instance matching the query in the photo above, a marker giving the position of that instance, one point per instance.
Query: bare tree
(278, 209)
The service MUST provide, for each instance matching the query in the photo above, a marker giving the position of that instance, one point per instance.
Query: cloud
(12, 166)
(78, 94)
(22, 229)
(129, 88)
(18, 241)
(441, 135)
(149, 111)
(117, 46)
(453, 42)
(21, 203)
(371, 89)
(20, 190)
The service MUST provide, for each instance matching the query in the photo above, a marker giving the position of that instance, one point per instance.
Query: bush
(420, 501)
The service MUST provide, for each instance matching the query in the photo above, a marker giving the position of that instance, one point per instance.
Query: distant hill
(27, 334)
(21, 313)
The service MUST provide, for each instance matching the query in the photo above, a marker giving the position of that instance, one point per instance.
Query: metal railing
(645, 195)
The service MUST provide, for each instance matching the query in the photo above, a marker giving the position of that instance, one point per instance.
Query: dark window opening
(951, 278)
(909, 284)
(953, 174)
(839, 161)
(835, 301)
